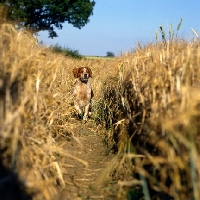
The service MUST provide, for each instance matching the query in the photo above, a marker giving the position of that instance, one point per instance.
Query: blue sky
(118, 25)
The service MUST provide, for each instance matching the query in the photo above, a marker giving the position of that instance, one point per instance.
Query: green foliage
(110, 54)
(170, 32)
(66, 51)
(47, 14)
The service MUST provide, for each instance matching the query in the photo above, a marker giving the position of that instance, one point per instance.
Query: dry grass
(30, 110)
(147, 103)
(36, 108)
(157, 121)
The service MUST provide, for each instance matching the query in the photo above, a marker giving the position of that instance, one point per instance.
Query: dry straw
(36, 111)
(35, 107)
(158, 98)
(147, 101)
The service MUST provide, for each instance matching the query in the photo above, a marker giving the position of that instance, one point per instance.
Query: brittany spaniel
(82, 90)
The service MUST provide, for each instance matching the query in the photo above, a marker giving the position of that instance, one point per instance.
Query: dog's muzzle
(85, 77)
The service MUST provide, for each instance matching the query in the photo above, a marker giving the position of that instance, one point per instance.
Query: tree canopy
(110, 54)
(47, 14)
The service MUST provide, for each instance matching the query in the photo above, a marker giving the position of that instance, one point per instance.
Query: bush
(110, 54)
(66, 51)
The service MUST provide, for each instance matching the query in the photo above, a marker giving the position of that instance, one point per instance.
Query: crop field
(98, 57)
(142, 141)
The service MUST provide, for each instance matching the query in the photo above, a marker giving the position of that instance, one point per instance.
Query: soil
(92, 178)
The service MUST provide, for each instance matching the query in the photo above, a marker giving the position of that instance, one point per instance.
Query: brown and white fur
(82, 90)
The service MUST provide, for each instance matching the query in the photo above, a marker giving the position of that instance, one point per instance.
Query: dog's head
(83, 73)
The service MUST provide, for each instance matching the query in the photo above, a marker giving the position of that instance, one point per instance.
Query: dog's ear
(75, 72)
(90, 72)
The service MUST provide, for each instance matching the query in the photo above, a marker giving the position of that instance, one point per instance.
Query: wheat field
(146, 103)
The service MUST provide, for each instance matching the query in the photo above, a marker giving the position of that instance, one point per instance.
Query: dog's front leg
(85, 117)
(79, 110)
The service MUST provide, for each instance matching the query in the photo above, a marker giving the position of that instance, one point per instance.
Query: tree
(110, 54)
(40, 15)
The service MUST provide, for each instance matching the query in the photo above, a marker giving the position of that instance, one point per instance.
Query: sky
(118, 25)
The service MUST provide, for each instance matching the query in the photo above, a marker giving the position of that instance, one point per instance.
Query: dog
(82, 92)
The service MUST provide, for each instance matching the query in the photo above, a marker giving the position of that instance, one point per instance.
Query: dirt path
(90, 180)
